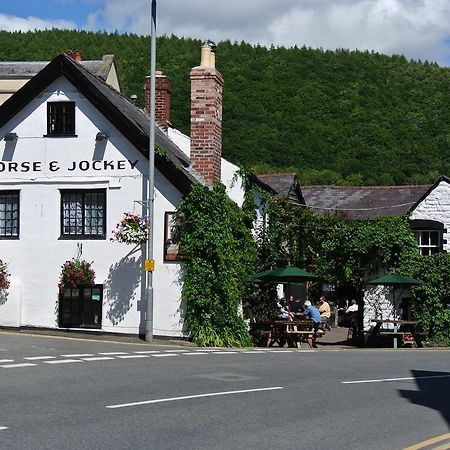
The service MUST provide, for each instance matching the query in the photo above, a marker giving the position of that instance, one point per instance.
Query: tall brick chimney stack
(163, 90)
(206, 116)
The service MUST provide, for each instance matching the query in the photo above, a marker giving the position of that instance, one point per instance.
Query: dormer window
(60, 119)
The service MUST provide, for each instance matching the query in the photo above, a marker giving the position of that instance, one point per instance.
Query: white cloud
(415, 28)
(13, 23)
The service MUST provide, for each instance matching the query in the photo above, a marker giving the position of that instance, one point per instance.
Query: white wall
(35, 259)
(436, 206)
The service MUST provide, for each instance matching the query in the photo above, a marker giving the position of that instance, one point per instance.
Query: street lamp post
(151, 180)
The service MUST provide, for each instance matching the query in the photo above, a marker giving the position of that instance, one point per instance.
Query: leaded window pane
(83, 213)
(9, 214)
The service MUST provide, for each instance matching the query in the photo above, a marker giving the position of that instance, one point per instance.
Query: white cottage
(74, 158)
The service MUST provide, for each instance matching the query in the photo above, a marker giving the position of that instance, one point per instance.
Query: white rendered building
(74, 159)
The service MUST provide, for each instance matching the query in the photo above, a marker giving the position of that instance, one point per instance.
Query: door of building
(81, 307)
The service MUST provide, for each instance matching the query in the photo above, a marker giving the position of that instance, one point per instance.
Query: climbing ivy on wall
(218, 255)
(431, 299)
(350, 252)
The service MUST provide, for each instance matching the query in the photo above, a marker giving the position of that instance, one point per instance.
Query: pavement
(337, 338)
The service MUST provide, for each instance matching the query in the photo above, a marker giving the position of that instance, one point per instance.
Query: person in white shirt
(352, 308)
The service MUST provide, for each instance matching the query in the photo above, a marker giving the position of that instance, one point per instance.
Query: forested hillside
(336, 117)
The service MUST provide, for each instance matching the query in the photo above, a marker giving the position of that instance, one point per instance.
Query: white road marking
(6, 360)
(62, 361)
(145, 352)
(174, 351)
(186, 397)
(13, 366)
(3, 428)
(195, 353)
(133, 356)
(113, 353)
(77, 355)
(36, 358)
(98, 358)
(206, 350)
(161, 355)
(252, 352)
(384, 380)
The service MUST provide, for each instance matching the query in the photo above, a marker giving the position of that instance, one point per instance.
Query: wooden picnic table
(294, 333)
(406, 330)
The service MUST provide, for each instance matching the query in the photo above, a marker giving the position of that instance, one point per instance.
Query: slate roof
(28, 69)
(130, 120)
(282, 185)
(363, 202)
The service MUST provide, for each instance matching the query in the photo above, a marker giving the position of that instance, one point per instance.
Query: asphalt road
(75, 394)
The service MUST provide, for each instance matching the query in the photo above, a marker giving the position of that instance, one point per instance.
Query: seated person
(313, 314)
(283, 312)
(295, 305)
(352, 308)
(325, 312)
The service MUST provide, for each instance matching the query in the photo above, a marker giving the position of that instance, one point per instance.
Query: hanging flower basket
(132, 229)
(4, 277)
(76, 273)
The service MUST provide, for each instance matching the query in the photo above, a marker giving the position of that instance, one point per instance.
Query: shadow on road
(433, 391)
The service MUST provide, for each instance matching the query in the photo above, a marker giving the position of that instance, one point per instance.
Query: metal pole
(151, 176)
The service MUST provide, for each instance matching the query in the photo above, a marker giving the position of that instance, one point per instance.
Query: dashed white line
(37, 358)
(13, 366)
(3, 428)
(186, 397)
(145, 352)
(77, 355)
(175, 351)
(6, 360)
(195, 353)
(62, 361)
(98, 358)
(113, 353)
(161, 355)
(206, 350)
(132, 356)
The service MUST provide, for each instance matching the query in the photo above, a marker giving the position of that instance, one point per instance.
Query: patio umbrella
(287, 274)
(255, 277)
(395, 280)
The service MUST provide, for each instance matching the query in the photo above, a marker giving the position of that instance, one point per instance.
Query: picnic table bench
(294, 333)
(404, 330)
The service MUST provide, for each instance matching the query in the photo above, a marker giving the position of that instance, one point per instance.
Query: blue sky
(418, 29)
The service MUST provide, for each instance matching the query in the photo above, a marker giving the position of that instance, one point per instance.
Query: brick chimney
(206, 116)
(163, 89)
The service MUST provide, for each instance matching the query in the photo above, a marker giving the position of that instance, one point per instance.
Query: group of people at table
(319, 315)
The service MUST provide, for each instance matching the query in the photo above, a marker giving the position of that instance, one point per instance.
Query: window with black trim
(60, 119)
(9, 214)
(429, 236)
(83, 214)
(428, 241)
